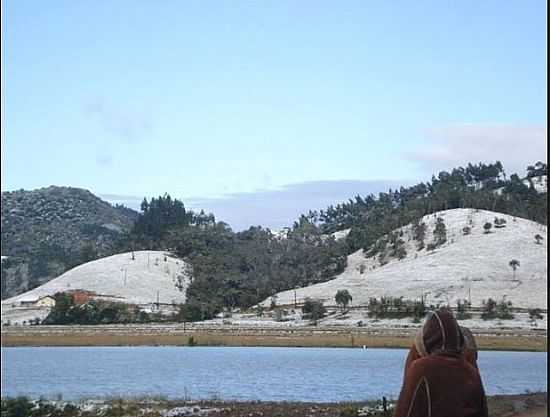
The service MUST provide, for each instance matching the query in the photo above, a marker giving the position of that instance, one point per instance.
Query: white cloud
(516, 146)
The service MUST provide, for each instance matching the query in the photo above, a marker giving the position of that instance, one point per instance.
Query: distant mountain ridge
(48, 230)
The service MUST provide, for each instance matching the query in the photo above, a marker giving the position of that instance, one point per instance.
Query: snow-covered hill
(141, 280)
(474, 265)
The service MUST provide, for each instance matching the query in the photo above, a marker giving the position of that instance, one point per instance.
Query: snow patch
(143, 277)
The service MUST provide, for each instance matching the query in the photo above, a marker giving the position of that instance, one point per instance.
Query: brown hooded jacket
(441, 378)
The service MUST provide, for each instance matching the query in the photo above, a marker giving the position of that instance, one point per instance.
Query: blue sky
(221, 103)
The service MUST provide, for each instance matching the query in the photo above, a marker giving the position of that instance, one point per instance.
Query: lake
(239, 373)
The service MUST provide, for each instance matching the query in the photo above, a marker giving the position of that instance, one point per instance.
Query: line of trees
(238, 270)
(481, 186)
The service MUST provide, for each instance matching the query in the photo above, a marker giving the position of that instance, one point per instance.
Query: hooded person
(441, 377)
(469, 351)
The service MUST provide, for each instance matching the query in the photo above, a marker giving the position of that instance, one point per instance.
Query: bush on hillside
(395, 308)
(462, 312)
(535, 314)
(440, 232)
(492, 310)
(313, 310)
(499, 222)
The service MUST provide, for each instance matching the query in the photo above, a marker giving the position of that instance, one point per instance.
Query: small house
(46, 301)
(81, 296)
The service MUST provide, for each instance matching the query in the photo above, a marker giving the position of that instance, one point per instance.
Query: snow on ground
(341, 234)
(360, 318)
(281, 234)
(120, 278)
(474, 265)
(20, 315)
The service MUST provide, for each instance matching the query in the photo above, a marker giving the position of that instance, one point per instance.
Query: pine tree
(440, 232)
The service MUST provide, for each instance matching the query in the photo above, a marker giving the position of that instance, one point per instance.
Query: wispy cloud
(129, 126)
(516, 146)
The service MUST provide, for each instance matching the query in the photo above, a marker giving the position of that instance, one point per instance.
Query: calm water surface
(274, 374)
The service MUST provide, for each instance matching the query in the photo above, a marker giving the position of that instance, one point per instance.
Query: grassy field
(273, 338)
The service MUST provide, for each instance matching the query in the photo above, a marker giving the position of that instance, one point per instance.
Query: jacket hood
(440, 333)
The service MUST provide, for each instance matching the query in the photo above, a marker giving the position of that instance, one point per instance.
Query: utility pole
(295, 303)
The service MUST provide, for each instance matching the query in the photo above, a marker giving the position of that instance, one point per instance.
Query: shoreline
(177, 335)
(517, 405)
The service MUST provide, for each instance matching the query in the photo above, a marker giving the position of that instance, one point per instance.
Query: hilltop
(142, 278)
(471, 264)
(47, 231)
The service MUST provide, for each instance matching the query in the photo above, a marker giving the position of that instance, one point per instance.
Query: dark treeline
(240, 269)
(231, 269)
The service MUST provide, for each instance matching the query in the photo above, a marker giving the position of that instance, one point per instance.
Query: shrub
(535, 314)
(487, 227)
(313, 309)
(462, 310)
(419, 234)
(343, 298)
(489, 309)
(349, 411)
(431, 246)
(440, 232)
(197, 311)
(391, 307)
(493, 310)
(499, 223)
(260, 311)
(401, 253)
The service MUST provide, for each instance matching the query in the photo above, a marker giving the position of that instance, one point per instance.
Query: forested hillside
(481, 186)
(240, 269)
(48, 231)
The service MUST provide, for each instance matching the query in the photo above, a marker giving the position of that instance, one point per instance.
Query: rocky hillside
(49, 230)
(472, 261)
